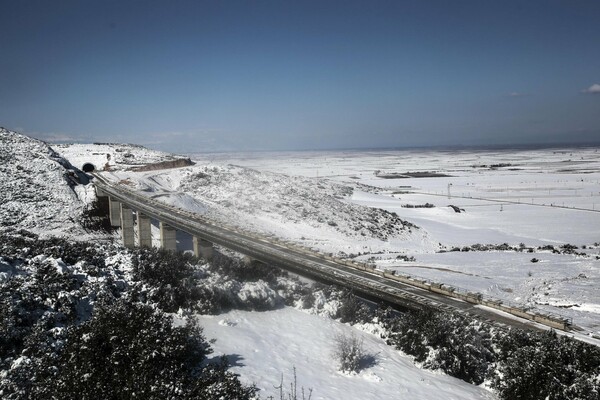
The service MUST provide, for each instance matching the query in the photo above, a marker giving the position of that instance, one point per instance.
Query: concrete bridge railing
(121, 215)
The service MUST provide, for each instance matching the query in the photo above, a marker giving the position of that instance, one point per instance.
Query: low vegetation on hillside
(517, 364)
(74, 324)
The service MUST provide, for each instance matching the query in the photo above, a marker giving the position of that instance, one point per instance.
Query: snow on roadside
(264, 345)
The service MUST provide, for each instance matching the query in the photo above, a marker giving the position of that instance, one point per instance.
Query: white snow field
(531, 197)
(333, 202)
(264, 345)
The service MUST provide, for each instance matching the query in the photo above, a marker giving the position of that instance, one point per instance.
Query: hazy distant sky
(189, 76)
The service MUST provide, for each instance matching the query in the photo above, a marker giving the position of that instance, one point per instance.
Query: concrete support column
(114, 209)
(144, 230)
(203, 248)
(127, 226)
(168, 240)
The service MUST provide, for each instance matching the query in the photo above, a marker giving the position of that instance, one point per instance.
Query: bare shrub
(349, 352)
(293, 392)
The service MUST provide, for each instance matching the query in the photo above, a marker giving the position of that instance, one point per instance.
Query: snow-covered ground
(38, 191)
(110, 156)
(264, 345)
(333, 202)
(354, 204)
(534, 197)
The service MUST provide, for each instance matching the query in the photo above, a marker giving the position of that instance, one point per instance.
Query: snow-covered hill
(39, 190)
(315, 213)
(111, 156)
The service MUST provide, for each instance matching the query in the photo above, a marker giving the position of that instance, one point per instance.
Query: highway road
(302, 260)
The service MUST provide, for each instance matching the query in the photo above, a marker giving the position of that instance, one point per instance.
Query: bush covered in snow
(169, 276)
(177, 281)
(72, 326)
(349, 353)
(546, 366)
(238, 270)
(519, 364)
(352, 309)
(459, 346)
(130, 350)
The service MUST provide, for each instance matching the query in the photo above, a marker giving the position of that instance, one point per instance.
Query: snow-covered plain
(535, 197)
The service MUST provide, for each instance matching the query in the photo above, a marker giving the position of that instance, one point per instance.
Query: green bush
(546, 366)
(170, 275)
(130, 350)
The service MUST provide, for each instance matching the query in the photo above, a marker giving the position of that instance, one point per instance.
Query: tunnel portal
(88, 167)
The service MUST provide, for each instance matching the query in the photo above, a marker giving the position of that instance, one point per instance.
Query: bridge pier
(168, 237)
(100, 193)
(203, 248)
(114, 210)
(144, 230)
(127, 226)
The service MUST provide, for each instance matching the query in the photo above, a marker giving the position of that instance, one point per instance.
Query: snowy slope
(544, 197)
(315, 213)
(344, 214)
(264, 346)
(111, 156)
(37, 187)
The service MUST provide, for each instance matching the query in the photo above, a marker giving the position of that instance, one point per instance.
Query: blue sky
(265, 75)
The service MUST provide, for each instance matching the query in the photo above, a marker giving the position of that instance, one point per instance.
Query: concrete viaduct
(121, 215)
(402, 291)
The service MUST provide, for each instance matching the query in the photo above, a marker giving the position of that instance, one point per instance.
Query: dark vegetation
(409, 174)
(66, 336)
(517, 364)
(174, 281)
(456, 208)
(168, 278)
(94, 218)
(562, 249)
(426, 205)
(493, 166)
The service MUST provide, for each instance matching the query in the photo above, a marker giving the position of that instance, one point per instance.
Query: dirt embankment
(181, 162)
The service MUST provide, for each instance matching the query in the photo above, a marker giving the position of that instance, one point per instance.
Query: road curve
(302, 260)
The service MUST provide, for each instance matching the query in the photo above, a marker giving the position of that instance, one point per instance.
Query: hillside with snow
(111, 156)
(347, 210)
(39, 190)
(40, 183)
(314, 213)
(67, 290)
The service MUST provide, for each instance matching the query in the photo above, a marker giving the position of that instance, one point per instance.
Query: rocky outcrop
(179, 163)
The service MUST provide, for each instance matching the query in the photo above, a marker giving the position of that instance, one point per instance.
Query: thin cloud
(594, 89)
(517, 94)
(53, 137)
